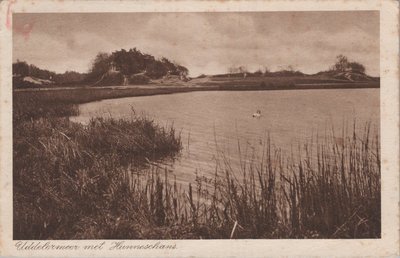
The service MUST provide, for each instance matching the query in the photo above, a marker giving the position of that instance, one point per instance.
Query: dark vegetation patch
(68, 177)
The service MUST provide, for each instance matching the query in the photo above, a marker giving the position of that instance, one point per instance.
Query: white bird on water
(257, 114)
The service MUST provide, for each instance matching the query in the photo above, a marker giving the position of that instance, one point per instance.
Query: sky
(205, 43)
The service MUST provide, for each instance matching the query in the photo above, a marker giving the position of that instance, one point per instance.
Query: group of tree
(133, 62)
(344, 65)
(22, 69)
(134, 66)
(341, 65)
(235, 71)
(124, 64)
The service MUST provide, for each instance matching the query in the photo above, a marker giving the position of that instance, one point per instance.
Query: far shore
(84, 94)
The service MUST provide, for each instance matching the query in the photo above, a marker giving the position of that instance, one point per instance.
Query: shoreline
(349, 85)
(79, 95)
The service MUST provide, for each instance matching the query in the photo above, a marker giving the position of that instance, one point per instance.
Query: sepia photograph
(196, 125)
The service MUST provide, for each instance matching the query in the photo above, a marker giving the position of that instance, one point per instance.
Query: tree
(182, 70)
(100, 65)
(35, 71)
(341, 64)
(357, 67)
(134, 62)
(156, 70)
(24, 69)
(20, 68)
(170, 67)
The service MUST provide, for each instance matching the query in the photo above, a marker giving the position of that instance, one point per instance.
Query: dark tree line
(133, 66)
(242, 71)
(124, 64)
(22, 69)
(133, 62)
(342, 64)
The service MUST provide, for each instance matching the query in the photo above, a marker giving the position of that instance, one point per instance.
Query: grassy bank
(80, 182)
(77, 95)
(67, 176)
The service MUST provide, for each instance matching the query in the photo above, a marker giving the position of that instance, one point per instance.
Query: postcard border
(389, 41)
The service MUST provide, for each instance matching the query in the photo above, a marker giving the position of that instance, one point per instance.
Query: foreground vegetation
(74, 181)
(67, 175)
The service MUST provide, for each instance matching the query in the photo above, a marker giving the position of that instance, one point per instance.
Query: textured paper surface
(388, 245)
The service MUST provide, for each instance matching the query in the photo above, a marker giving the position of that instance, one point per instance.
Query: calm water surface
(220, 121)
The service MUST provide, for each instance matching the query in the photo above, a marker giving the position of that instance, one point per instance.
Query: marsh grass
(68, 178)
(74, 181)
(329, 188)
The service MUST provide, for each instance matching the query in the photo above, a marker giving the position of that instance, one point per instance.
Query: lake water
(216, 122)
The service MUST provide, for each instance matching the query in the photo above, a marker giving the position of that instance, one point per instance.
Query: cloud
(205, 42)
(60, 54)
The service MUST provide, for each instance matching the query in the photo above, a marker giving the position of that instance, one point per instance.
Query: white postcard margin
(388, 245)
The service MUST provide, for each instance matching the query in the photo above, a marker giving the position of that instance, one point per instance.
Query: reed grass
(331, 190)
(74, 181)
(67, 177)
